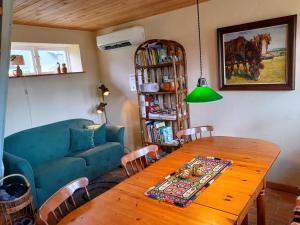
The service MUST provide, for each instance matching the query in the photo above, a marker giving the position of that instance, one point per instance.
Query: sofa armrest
(15, 164)
(115, 134)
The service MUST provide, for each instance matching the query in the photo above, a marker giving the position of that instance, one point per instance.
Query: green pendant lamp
(202, 93)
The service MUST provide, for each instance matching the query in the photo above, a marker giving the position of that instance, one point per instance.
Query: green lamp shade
(202, 93)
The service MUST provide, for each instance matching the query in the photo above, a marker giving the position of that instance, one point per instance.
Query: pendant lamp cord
(199, 39)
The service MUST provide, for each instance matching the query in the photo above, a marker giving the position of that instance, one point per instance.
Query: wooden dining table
(226, 201)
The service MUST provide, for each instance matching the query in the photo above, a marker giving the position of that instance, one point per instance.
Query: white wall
(53, 98)
(269, 115)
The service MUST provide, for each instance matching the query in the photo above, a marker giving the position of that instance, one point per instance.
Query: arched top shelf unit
(161, 81)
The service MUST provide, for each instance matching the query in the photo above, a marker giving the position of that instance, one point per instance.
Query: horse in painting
(241, 51)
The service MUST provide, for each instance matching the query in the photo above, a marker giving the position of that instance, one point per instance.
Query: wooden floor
(279, 208)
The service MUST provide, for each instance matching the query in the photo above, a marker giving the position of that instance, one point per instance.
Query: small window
(50, 57)
(28, 67)
(41, 59)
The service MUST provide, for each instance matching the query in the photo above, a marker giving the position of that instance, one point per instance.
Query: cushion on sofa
(102, 154)
(56, 173)
(102, 158)
(81, 139)
(99, 133)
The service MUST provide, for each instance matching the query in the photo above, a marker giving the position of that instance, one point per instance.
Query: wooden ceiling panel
(90, 14)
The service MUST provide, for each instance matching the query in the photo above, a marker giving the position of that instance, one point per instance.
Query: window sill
(49, 74)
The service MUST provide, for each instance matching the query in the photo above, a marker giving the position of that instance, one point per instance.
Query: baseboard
(282, 187)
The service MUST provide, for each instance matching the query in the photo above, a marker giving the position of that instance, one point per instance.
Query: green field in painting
(274, 72)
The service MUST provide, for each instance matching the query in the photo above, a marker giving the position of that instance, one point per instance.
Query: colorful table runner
(182, 192)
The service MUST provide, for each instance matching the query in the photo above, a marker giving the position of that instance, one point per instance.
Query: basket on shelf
(14, 210)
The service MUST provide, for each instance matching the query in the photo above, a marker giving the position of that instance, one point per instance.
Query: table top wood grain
(226, 201)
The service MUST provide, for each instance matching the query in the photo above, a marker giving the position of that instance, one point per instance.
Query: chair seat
(56, 173)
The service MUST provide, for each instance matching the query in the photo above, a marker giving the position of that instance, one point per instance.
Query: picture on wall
(258, 55)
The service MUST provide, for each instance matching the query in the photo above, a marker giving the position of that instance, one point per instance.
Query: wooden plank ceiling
(90, 14)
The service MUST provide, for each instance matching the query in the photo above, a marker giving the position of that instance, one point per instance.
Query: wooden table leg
(261, 208)
(245, 221)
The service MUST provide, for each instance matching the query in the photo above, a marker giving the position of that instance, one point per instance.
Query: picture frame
(258, 55)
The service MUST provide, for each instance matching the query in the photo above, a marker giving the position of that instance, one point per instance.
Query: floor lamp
(101, 107)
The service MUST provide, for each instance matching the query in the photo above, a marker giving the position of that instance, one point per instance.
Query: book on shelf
(152, 55)
(158, 132)
(167, 134)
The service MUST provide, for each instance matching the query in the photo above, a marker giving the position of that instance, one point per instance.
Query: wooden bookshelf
(159, 61)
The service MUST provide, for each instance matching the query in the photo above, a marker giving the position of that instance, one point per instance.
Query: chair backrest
(60, 197)
(192, 133)
(137, 159)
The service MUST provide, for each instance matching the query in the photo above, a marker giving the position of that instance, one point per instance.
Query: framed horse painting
(258, 55)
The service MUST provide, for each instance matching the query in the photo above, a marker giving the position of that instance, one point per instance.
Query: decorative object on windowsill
(58, 68)
(202, 93)
(17, 60)
(64, 68)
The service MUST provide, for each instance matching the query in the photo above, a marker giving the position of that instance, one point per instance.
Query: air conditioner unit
(128, 37)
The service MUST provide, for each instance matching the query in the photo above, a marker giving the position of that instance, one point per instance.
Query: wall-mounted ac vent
(122, 38)
(117, 45)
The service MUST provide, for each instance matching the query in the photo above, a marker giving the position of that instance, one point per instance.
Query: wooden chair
(296, 218)
(193, 133)
(60, 197)
(137, 159)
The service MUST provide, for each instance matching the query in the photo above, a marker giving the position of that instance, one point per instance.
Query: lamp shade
(104, 90)
(101, 108)
(202, 93)
(17, 60)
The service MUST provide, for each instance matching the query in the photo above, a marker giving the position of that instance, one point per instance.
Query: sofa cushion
(45, 143)
(99, 133)
(56, 173)
(102, 154)
(81, 139)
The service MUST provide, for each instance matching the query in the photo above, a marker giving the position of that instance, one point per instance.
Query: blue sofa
(43, 155)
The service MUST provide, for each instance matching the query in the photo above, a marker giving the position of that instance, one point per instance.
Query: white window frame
(36, 58)
(38, 62)
(31, 49)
